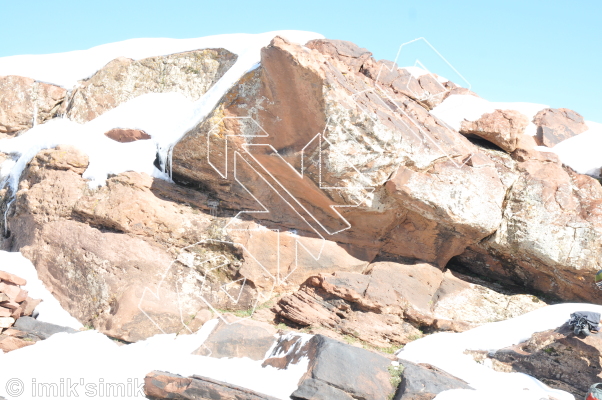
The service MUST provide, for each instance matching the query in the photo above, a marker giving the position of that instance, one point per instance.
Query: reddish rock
(555, 125)
(10, 278)
(11, 343)
(127, 135)
(190, 73)
(163, 385)
(5, 312)
(504, 128)
(21, 97)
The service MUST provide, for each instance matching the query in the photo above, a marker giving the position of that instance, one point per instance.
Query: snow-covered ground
(91, 358)
(445, 350)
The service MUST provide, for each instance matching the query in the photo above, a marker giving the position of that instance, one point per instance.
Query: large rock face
(25, 102)
(191, 73)
(319, 160)
(307, 131)
(550, 238)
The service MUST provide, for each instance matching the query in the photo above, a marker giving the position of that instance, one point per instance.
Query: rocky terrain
(321, 194)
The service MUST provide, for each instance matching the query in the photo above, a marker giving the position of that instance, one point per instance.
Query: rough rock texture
(359, 373)
(163, 385)
(557, 124)
(550, 237)
(239, 338)
(191, 73)
(25, 102)
(504, 128)
(387, 306)
(296, 94)
(424, 382)
(127, 135)
(123, 238)
(556, 357)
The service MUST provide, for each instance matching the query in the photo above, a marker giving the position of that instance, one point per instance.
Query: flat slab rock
(42, 330)
(339, 371)
(424, 382)
(163, 385)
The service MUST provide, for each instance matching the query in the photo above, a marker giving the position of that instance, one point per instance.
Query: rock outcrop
(25, 102)
(424, 382)
(556, 357)
(504, 128)
(391, 304)
(319, 160)
(191, 73)
(557, 124)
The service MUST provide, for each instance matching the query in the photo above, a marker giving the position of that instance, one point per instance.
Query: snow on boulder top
(581, 152)
(457, 108)
(65, 69)
(166, 117)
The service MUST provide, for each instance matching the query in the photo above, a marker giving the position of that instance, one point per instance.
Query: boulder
(555, 125)
(163, 385)
(191, 73)
(550, 236)
(25, 102)
(556, 357)
(338, 368)
(504, 128)
(424, 382)
(239, 338)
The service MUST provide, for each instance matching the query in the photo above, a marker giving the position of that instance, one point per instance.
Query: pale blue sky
(531, 50)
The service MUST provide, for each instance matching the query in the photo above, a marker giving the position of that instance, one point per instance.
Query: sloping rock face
(503, 128)
(25, 102)
(556, 357)
(557, 124)
(388, 306)
(191, 73)
(319, 114)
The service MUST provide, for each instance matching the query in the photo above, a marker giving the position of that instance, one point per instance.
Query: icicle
(6, 216)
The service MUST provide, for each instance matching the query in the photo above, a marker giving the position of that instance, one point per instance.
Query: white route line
(320, 136)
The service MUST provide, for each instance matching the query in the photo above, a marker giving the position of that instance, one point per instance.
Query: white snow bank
(65, 69)
(456, 108)
(445, 350)
(90, 358)
(581, 152)
(49, 309)
(166, 117)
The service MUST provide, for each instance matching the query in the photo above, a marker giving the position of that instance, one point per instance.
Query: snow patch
(581, 152)
(92, 358)
(446, 351)
(166, 117)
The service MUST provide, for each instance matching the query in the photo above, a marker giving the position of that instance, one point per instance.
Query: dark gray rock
(312, 389)
(163, 385)
(246, 338)
(42, 330)
(360, 373)
(423, 381)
